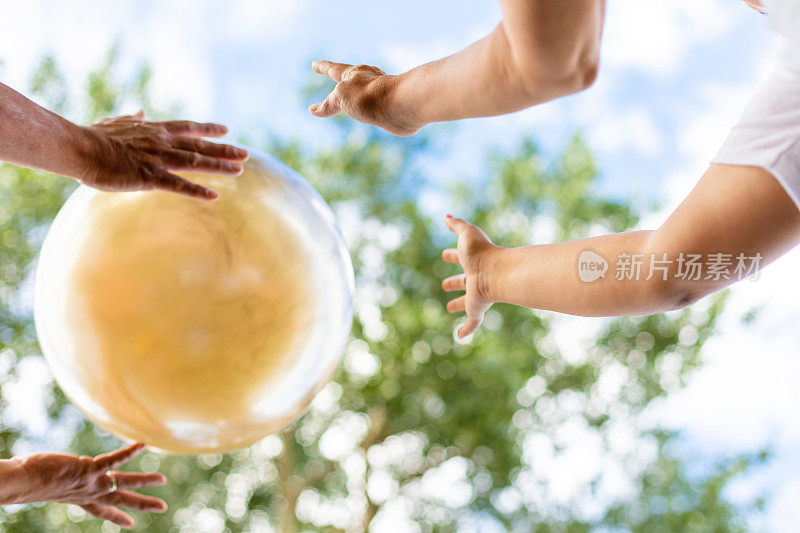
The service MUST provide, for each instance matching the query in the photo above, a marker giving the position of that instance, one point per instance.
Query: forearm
(540, 51)
(34, 137)
(13, 482)
(737, 220)
(481, 80)
(547, 277)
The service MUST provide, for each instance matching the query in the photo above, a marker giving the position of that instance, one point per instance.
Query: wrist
(490, 279)
(401, 100)
(69, 147)
(82, 142)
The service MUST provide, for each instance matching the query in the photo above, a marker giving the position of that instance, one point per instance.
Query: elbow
(583, 72)
(587, 74)
(672, 287)
(670, 292)
(660, 296)
(560, 75)
(672, 295)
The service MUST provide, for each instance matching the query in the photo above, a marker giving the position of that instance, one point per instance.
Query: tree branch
(289, 489)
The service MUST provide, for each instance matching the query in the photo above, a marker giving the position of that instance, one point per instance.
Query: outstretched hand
(130, 153)
(364, 93)
(92, 483)
(472, 253)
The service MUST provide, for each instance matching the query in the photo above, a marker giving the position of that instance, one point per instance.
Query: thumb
(327, 108)
(473, 321)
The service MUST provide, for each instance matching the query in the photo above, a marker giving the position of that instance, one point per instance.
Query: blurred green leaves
(409, 403)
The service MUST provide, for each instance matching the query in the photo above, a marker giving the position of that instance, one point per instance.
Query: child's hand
(364, 93)
(473, 253)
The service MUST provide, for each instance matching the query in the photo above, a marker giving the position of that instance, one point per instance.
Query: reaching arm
(118, 154)
(540, 51)
(733, 211)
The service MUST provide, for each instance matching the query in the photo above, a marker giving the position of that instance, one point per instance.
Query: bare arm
(34, 137)
(119, 154)
(540, 51)
(733, 210)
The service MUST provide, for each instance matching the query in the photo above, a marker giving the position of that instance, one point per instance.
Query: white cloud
(258, 19)
(630, 130)
(403, 56)
(178, 39)
(700, 133)
(656, 36)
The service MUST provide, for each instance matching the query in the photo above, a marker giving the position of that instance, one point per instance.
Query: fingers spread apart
(451, 256)
(134, 501)
(110, 513)
(112, 460)
(222, 151)
(338, 72)
(196, 162)
(139, 480)
(457, 305)
(172, 183)
(187, 128)
(455, 283)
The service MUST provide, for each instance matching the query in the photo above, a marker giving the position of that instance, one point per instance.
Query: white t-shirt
(768, 133)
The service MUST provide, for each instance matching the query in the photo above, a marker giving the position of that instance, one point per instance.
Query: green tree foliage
(415, 426)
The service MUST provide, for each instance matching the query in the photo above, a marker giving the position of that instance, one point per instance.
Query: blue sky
(674, 78)
(242, 64)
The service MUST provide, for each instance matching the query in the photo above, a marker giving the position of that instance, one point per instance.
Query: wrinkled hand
(364, 93)
(472, 253)
(130, 153)
(85, 481)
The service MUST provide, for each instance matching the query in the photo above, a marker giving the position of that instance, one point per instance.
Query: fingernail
(313, 108)
(448, 216)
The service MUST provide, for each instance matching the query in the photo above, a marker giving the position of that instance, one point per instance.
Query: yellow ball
(195, 326)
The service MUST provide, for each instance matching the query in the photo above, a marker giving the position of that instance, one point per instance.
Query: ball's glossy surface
(195, 326)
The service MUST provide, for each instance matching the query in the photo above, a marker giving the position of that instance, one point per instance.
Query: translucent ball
(195, 326)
